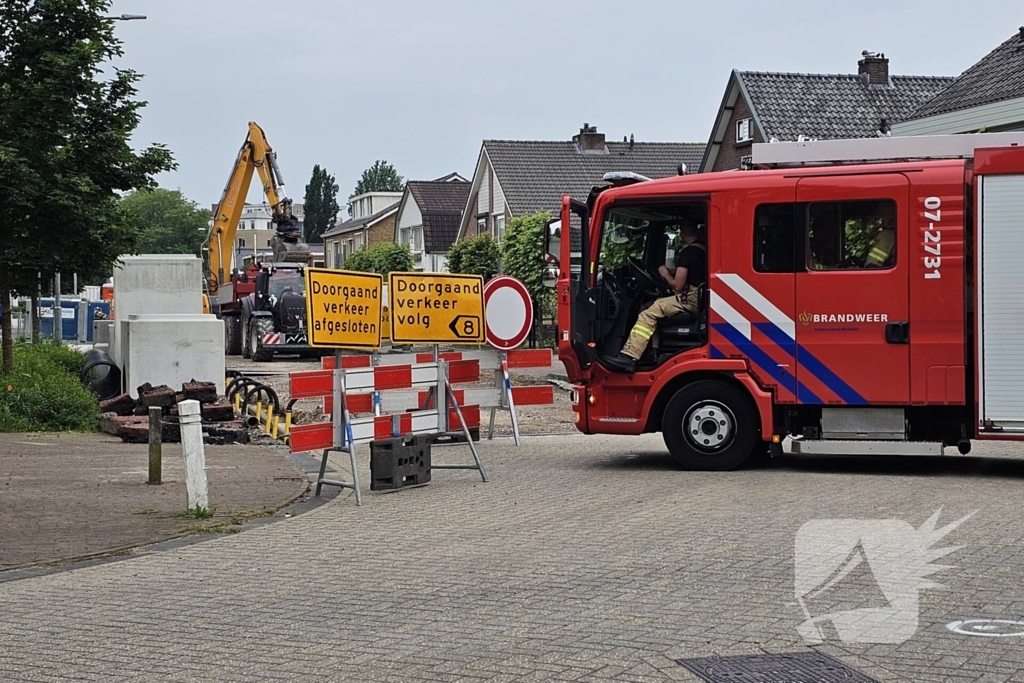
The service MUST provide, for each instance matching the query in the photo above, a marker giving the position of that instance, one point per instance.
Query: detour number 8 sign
(436, 308)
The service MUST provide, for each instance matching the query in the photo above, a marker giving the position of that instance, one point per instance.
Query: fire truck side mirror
(552, 240)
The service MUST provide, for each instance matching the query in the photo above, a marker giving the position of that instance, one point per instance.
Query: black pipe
(101, 374)
(257, 391)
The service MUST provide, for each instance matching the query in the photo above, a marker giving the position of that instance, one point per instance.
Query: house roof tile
(359, 223)
(534, 175)
(440, 203)
(998, 76)
(832, 106)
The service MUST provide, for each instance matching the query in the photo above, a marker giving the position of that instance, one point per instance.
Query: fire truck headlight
(591, 399)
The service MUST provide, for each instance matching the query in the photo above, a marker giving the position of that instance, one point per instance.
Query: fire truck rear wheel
(710, 425)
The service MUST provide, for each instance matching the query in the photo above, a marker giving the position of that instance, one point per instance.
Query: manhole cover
(792, 667)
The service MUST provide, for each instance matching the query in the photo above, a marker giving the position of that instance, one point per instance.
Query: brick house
(372, 221)
(989, 96)
(522, 177)
(761, 107)
(428, 219)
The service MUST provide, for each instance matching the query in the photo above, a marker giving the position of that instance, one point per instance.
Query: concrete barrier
(172, 350)
(155, 284)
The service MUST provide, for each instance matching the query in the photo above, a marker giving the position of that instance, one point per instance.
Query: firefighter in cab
(690, 273)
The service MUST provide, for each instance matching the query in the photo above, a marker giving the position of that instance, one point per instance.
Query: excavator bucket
(289, 251)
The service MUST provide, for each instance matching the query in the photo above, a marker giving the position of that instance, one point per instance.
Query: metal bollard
(270, 418)
(155, 444)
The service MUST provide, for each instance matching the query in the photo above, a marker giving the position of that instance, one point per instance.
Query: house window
(851, 235)
(359, 240)
(241, 242)
(481, 226)
(338, 260)
(747, 163)
(417, 240)
(252, 225)
(743, 131)
(499, 228)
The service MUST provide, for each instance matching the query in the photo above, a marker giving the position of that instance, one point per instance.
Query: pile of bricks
(128, 418)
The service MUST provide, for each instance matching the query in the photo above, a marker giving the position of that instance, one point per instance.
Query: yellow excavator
(263, 306)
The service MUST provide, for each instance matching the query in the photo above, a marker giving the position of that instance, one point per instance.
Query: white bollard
(191, 422)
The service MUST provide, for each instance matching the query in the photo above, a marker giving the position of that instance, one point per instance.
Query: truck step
(802, 446)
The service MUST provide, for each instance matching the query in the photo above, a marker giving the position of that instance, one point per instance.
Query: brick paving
(586, 558)
(65, 496)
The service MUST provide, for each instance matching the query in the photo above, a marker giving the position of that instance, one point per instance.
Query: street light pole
(126, 17)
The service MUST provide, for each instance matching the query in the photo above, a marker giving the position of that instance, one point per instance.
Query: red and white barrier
(362, 387)
(358, 389)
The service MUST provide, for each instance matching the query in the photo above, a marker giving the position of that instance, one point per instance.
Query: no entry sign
(508, 312)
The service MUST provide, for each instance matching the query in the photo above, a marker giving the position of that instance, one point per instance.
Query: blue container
(69, 318)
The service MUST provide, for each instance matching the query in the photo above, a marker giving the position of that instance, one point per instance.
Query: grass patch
(44, 394)
(197, 512)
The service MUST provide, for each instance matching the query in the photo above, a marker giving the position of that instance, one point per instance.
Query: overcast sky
(342, 83)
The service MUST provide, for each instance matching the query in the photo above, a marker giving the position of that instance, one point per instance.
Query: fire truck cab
(863, 297)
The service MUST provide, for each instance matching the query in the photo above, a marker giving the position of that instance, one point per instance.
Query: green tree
(475, 256)
(359, 261)
(381, 258)
(168, 222)
(65, 130)
(388, 257)
(321, 204)
(381, 177)
(522, 255)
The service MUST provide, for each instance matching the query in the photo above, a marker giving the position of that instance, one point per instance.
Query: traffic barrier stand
(502, 397)
(357, 386)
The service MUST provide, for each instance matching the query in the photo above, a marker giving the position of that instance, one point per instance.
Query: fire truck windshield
(626, 231)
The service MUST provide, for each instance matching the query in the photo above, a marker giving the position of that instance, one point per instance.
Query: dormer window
(744, 133)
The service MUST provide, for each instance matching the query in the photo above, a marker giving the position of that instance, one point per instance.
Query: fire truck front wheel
(710, 425)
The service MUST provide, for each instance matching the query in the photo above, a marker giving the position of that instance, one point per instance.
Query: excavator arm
(256, 155)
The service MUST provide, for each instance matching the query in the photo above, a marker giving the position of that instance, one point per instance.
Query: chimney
(873, 68)
(589, 141)
(1021, 35)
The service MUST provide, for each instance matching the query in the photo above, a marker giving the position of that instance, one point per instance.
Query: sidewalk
(65, 496)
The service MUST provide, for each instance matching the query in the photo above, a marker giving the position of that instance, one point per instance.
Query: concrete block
(155, 284)
(204, 392)
(172, 350)
(114, 424)
(101, 331)
(119, 405)
(162, 396)
(221, 411)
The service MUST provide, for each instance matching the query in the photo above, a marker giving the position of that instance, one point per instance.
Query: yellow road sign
(343, 309)
(436, 308)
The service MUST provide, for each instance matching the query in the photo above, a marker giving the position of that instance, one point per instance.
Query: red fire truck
(863, 297)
